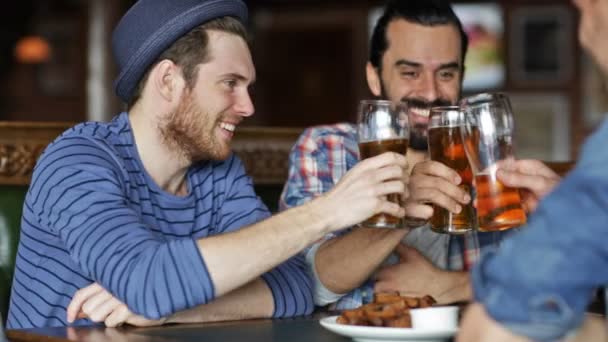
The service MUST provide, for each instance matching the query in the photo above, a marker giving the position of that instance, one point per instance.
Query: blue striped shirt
(93, 214)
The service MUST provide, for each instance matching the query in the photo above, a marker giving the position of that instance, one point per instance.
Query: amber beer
(446, 147)
(488, 140)
(370, 149)
(498, 206)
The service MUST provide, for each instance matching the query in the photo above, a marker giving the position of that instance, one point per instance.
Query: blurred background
(55, 64)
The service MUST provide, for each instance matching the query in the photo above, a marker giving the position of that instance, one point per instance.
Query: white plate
(369, 334)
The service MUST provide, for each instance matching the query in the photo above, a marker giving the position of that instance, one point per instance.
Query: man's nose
(428, 89)
(244, 105)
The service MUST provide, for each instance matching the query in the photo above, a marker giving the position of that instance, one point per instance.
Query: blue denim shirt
(539, 283)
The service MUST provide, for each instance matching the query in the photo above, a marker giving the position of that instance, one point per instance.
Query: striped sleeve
(78, 193)
(291, 288)
(290, 283)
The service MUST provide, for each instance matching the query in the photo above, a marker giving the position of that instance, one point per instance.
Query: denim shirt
(539, 283)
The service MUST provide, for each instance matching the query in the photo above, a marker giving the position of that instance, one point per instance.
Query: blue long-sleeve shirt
(539, 283)
(93, 214)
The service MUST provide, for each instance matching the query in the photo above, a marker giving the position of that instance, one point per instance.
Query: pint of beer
(383, 127)
(446, 147)
(488, 139)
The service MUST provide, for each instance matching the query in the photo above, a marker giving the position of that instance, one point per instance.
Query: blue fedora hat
(151, 26)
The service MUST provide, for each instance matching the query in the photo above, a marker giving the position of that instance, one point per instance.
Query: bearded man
(150, 218)
(417, 53)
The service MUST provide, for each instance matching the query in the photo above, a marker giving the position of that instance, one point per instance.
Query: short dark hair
(191, 50)
(422, 12)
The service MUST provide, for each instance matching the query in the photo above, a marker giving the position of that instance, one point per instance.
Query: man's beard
(419, 138)
(191, 132)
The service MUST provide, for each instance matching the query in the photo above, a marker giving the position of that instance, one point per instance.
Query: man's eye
(447, 75)
(409, 74)
(230, 83)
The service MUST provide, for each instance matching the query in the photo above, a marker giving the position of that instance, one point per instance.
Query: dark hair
(423, 12)
(191, 50)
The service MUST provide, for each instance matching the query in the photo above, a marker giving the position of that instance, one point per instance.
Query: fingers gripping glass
(446, 147)
(488, 139)
(383, 127)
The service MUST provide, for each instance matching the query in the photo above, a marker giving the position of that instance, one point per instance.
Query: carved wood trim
(264, 150)
(21, 143)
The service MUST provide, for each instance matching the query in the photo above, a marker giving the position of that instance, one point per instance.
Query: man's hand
(432, 182)
(100, 305)
(361, 193)
(534, 179)
(477, 326)
(416, 276)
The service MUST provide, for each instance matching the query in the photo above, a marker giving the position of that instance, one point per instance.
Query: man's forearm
(237, 258)
(453, 287)
(345, 262)
(252, 300)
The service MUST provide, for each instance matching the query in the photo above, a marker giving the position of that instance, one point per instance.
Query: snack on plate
(387, 310)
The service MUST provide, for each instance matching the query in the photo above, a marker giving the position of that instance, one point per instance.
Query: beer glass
(446, 147)
(488, 136)
(383, 127)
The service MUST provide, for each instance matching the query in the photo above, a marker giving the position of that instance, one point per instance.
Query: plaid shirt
(320, 157)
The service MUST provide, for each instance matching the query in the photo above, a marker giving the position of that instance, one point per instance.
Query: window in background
(541, 45)
(542, 125)
(595, 89)
(485, 65)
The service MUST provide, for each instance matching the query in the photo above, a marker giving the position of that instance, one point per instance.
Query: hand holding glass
(383, 127)
(488, 139)
(446, 147)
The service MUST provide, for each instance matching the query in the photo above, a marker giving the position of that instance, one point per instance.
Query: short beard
(419, 140)
(176, 131)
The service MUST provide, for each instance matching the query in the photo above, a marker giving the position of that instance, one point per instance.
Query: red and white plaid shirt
(320, 157)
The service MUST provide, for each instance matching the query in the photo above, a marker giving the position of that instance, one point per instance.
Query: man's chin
(419, 144)
(216, 155)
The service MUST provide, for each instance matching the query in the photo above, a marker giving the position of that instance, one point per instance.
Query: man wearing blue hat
(150, 216)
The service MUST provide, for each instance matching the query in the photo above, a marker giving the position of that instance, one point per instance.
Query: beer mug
(446, 147)
(383, 127)
(488, 139)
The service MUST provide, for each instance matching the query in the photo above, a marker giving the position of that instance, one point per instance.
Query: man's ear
(167, 80)
(373, 79)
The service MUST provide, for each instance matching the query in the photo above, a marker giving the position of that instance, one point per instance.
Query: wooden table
(303, 329)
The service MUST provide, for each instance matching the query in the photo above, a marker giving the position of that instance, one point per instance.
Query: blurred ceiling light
(32, 50)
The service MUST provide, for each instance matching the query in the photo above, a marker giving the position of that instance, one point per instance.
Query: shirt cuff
(540, 317)
(321, 294)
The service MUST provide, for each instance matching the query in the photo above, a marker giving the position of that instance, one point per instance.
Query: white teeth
(421, 112)
(227, 126)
